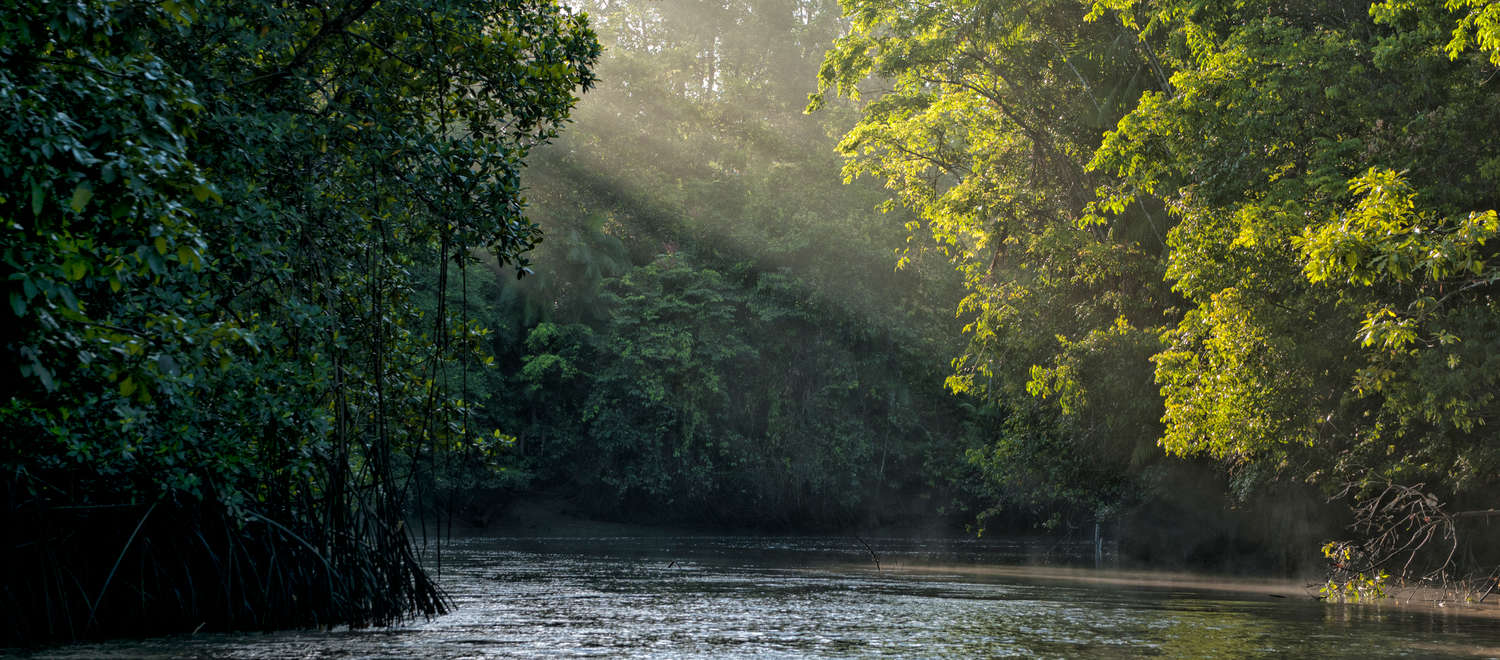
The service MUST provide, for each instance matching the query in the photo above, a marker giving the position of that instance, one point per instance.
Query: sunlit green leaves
(1470, 24)
(992, 112)
(1385, 237)
(1336, 237)
(1236, 386)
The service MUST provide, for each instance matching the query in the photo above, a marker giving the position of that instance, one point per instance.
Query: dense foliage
(1315, 182)
(270, 287)
(992, 111)
(214, 359)
(713, 331)
(1335, 201)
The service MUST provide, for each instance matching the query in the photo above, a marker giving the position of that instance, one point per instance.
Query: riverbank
(1420, 600)
(554, 517)
(554, 513)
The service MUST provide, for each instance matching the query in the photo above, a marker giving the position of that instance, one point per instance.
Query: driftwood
(873, 557)
(1405, 531)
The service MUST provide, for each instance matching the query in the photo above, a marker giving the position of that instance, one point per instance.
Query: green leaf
(202, 192)
(44, 375)
(81, 196)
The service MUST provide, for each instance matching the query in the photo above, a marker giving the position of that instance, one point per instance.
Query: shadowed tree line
(712, 332)
(219, 380)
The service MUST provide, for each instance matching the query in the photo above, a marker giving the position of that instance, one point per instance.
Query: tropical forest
(719, 328)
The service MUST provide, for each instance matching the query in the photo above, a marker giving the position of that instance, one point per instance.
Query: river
(620, 597)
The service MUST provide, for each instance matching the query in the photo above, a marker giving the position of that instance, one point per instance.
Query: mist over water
(822, 597)
(1139, 290)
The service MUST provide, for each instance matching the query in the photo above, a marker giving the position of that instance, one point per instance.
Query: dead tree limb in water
(1406, 531)
(873, 557)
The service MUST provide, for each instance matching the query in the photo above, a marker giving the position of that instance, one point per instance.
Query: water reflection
(739, 597)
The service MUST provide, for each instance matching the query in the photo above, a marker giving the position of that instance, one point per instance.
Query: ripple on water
(793, 597)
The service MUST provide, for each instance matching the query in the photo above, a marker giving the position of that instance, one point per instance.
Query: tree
(1332, 165)
(213, 212)
(981, 116)
(713, 333)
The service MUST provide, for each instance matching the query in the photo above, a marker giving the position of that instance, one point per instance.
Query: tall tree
(1333, 166)
(981, 116)
(718, 334)
(212, 212)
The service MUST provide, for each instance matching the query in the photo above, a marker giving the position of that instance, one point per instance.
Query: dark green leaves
(213, 213)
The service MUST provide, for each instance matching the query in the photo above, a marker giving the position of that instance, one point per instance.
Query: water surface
(823, 597)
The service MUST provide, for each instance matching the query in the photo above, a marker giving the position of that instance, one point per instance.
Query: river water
(713, 597)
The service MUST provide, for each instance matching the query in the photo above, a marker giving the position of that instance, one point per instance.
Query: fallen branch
(873, 557)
